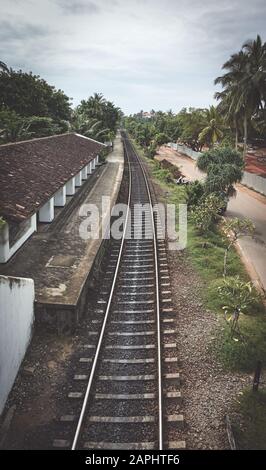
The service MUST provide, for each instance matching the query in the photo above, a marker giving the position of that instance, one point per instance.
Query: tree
(194, 193)
(97, 107)
(224, 167)
(90, 127)
(15, 128)
(244, 83)
(3, 67)
(161, 139)
(29, 95)
(213, 132)
(192, 122)
(234, 229)
(206, 213)
(236, 297)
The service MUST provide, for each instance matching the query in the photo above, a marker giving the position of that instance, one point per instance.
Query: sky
(141, 54)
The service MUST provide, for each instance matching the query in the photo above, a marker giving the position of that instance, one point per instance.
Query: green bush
(194, 193)
(251, 407)
(206, 213)
(242, 354)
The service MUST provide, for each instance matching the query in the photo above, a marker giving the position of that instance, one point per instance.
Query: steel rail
(94, 364)
(160, 393)
(96, 357)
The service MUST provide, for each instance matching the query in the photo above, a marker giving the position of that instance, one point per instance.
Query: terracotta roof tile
(32, 171)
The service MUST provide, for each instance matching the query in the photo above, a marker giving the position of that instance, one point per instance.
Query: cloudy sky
(141, 54)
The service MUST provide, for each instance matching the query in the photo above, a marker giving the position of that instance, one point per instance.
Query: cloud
(139, 53)
(77, 7)
(22, 32)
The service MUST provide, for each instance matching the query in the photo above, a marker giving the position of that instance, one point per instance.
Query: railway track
(126, 391)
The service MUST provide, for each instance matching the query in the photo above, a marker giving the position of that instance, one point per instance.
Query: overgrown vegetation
(250, 431)
(30, 107)
(206, 251)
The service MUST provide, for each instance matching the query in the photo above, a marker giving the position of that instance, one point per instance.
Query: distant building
(146, 115)
(36, 176)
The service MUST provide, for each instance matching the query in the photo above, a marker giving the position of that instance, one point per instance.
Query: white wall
(5, 251)
(255, 182)
(185, 150)
(16, 322)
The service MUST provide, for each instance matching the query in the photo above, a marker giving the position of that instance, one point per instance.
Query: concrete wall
(16, 322)
(185, 150)
(251, 180)
(5, 250)
(254, 182)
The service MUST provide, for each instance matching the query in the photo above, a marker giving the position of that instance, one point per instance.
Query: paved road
(247, 203)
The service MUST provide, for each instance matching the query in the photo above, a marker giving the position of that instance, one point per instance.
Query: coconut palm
(90, 127)
(213, 132)
(231, 117)
(3, 67)
(245, 82)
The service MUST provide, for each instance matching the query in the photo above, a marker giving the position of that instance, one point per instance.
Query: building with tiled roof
(37, 175)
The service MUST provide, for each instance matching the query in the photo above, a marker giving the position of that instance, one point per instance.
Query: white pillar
(34, 223)
(78, 179)
(97, 159)
(4, 242)
(93, 164)
(60, 197)
(70, 187)
(89, 168)
(84, 173)
(46, 213)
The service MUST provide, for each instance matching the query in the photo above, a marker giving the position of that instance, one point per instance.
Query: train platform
(58, 259)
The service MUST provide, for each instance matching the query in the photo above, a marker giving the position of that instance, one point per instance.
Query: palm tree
(3, 67)
(245, 82)
(231, 117)
(213, 132)
(90, 127)
(96, 103)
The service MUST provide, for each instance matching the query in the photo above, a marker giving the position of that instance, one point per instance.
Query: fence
(256, 182)
(185, 150)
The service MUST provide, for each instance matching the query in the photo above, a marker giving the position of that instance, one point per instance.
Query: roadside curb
(251, 272)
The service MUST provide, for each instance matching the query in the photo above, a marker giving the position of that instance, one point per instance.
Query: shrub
(224, 167)
(206, 213)
(194, 193)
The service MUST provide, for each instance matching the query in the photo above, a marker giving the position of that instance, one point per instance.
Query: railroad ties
(133, 399)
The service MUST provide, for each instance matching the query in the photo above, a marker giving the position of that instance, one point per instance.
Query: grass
(251, 408)
(206, 253)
